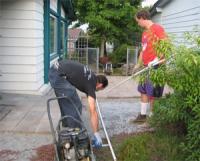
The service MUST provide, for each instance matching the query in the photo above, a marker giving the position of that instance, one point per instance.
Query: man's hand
(153, 62)
(96, 140)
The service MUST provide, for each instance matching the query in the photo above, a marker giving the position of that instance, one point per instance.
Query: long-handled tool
(134, 75)
(105, 131)
(99, 111)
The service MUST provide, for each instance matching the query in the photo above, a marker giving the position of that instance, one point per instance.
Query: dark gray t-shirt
(79, 75)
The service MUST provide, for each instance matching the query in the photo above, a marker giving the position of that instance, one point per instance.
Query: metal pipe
(104, 128)
(133, 75)
(99, 111)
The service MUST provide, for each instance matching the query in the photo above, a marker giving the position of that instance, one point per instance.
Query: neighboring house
(32, 36)
(76, 39)
(177, 16)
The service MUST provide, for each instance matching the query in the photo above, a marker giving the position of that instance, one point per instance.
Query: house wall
(178, 17)
(21, 46)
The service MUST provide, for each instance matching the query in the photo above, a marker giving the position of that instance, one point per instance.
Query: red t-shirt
(149, 37)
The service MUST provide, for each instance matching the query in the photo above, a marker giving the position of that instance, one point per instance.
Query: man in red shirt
(148, 56)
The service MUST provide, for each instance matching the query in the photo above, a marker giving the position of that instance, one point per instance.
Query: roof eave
(158, 5)
(69, 9)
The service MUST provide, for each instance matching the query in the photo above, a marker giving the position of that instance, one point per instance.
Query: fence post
(127, 57)
(136, 54)
(97, 49)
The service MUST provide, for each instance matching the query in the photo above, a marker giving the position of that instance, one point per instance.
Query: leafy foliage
(183, 106)
(164, 49)
(119, 55)
(109, 21)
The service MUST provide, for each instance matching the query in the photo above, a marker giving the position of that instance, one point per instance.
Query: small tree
(109, 21)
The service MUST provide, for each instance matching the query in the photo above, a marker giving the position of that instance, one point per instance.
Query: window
(62, 36)
(53, 35)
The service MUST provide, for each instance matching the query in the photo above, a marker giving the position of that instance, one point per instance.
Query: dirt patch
(44, 153)
(8, 155)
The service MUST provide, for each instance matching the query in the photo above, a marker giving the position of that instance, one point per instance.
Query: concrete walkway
(24, 120)
(28, 113)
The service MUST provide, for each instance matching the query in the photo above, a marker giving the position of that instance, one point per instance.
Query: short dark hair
(144, 14)
(102, 79)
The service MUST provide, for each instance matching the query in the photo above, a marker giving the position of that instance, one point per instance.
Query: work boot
(140, 119)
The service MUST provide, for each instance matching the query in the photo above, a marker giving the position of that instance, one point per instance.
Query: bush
(183, 106)
(158, 146)
(119, 55)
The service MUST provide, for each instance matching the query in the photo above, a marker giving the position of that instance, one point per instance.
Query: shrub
(183, 106)
(119, 55)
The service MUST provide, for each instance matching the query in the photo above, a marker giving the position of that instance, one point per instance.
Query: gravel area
(117, 115)
(27, 146)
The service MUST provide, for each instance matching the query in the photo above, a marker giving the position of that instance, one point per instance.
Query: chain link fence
(131, 59)
(87, 56)
(78, 50)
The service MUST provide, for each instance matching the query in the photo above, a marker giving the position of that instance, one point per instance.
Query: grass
(157, 146)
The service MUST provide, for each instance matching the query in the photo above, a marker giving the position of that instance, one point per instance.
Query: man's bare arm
(93, 114)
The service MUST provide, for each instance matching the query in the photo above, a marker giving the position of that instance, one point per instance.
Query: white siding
(62, 12)
(178, 17)
(53, 5)
(21, 46)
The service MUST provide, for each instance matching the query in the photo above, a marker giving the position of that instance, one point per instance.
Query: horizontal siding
(21, 24)
(21, 15)
(23, 5)
(181, 24)
(182, 21)
(21, 42)
(21, 45)
(20, 77)
(179, 17)
(19, 60)
(25, 69)
(20, 51)
(20, 86)
(21, 33)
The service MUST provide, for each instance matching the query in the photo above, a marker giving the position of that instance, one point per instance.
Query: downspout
(65, 40)
(46, 39)
(58, 28)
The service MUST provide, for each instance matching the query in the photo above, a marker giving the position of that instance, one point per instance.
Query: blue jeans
(70, 106)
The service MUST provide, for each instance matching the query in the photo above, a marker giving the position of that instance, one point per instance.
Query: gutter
(157, 7)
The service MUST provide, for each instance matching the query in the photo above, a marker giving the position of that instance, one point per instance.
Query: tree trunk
(102, 47)
(105, 52)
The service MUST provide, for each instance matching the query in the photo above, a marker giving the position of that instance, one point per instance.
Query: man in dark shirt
(65, 76)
